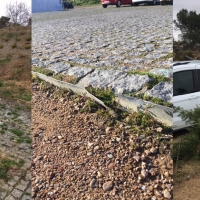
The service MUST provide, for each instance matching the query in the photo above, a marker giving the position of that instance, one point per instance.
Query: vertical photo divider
(186, 99)
(15, 100)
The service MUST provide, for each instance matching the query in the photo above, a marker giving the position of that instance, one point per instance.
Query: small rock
(108, 129)
(153, 150)
(167, 194)
(166, 174)
(144, 173)
(99, 174)
(137, 158)
(159, 129)
(94, 183)
(108, 186)
(110, 155)
(111, 166)
(90, 144)
(59, 137)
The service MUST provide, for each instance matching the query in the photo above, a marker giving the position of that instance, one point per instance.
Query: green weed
(14, 45)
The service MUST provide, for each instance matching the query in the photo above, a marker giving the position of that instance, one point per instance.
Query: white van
(186, 88)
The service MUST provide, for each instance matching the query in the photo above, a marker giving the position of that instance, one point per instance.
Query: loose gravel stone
(108, 186)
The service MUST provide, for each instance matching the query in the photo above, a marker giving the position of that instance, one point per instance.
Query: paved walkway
(15, 145)
(101, 47)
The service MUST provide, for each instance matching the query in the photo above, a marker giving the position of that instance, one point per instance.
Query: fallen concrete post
(160, 113)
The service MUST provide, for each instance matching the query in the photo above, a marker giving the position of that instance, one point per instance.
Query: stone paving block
(17, 193)
(12, 182)
(26, 197)
(10, 197)
(21, 187)
(163, 72)
(130, 83)
(28, 177)
(6, 187)
(162, 90)
(2, 194)
(78, 72)
(101, 78)
(25, 183)
(59, 67)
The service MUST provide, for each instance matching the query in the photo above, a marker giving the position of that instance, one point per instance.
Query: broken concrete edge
(162, 114)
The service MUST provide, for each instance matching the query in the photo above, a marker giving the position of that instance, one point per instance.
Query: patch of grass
(107, 96)
(17, 132)
(155, 78)
(1, 46)
(44, 71)
(5, 60)
(27, 46)
(28, 140)
(17, 39)
(14, 45)
(169, 55)
(90, 106)
(20, 139)
(4, 128)
(28, 38)
(20, 55)
(7, 164)
(1, 83)
(22, 33)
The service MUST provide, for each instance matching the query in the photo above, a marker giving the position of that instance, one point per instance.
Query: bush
(190, 144)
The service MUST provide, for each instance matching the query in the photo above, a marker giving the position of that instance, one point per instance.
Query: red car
(118, 3)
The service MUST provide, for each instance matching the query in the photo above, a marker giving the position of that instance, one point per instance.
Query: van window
(183, 83)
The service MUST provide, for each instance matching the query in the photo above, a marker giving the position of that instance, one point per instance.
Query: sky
(190, 5)
(4, 2)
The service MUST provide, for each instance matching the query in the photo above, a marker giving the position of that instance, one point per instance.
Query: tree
(189, 24)
(18, 13)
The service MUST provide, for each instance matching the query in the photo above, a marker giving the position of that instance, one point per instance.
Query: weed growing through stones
(5, 60)
(1, 46)
(6, 164)
(44, 71)
(27, 46)
(17, 39)
(14, 45)
(107, 96)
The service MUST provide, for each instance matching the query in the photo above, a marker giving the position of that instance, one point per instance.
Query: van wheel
(104, 6)
(162, 3)
(118, 3)
(135, 4)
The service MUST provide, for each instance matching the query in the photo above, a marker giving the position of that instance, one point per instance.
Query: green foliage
(189, 24)
(190, 143)
(6, 164)
(44, 71)
(17, 132)
(107, 96)
(156, 78)
(5, 60)
(86, 2)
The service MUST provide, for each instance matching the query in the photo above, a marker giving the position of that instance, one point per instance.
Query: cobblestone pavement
(101, 47)
(15, 145)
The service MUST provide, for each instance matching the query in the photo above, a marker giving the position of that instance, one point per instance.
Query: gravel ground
(121, 40)
(86, 155)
